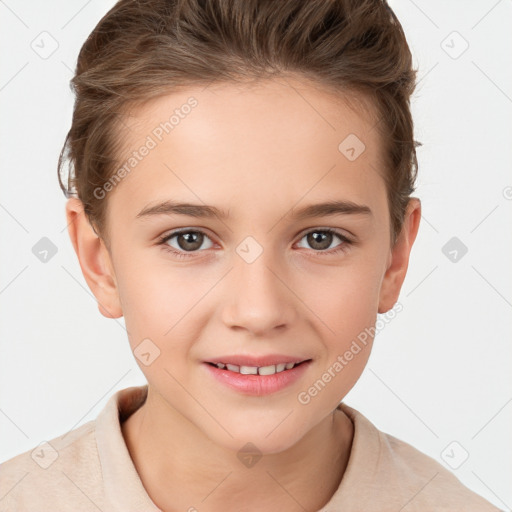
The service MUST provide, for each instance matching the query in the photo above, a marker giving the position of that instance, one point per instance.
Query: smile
(257, 380)
(256, 370)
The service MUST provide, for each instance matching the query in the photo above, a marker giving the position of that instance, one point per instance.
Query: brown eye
(190, 240)
(320, 240)
(185, 241)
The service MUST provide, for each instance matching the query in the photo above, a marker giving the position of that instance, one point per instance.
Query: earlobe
(94, 260)
(399, 257)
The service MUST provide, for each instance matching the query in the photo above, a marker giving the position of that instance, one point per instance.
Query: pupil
(322, 236)
(190, 245)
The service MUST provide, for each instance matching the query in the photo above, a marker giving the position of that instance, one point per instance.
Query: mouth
(257, 380)
(258, 370)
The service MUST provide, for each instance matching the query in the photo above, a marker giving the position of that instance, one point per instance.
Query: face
(252, 269)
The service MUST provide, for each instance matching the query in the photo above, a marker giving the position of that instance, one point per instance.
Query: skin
(262, 152)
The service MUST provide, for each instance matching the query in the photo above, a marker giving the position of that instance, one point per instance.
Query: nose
(259, 300)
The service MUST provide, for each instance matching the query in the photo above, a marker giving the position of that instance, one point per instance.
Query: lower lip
(258, 385)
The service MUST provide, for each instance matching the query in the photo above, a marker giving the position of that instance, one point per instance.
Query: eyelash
(341, 248)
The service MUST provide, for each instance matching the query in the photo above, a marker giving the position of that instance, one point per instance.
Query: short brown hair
(142, 49)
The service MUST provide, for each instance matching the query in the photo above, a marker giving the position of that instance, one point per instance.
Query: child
(217, 146)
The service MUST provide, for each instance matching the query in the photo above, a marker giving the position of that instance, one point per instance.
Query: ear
(94, 259)
(399, 257)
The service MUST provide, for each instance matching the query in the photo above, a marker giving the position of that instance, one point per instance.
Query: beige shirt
(90, 469)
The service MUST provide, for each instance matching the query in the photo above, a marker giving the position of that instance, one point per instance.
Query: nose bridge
(258, 299)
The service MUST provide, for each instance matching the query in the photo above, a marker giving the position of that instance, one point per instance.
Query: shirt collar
(123, 487)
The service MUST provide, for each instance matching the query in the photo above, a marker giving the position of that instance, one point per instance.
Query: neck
(185, 470)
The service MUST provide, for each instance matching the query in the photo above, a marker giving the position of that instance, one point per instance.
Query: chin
(259, 441)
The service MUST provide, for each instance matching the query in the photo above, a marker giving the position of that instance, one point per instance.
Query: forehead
(250, 145)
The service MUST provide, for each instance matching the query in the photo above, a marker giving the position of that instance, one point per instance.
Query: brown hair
(142, 49)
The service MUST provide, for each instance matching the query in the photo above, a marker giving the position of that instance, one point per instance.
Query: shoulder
(429, 483)
(395, 474)
(47, 476)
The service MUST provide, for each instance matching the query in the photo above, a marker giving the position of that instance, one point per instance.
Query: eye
(186, 240)
(190, 241)
(321, 239)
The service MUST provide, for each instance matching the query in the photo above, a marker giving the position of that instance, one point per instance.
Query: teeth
(269, 370)
(255, 370)
(249, 370)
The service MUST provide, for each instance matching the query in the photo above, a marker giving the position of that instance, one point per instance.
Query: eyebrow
(329, 208)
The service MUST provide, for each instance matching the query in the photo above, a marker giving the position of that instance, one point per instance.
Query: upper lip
(263, 360)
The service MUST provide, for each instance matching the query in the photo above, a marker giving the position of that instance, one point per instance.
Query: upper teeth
(256, 370)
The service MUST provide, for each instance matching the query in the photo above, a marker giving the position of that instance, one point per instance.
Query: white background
(439, 372)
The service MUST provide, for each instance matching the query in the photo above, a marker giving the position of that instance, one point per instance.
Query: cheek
(344, 304)
(343, 297)
(161, 305)
(150, 300)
